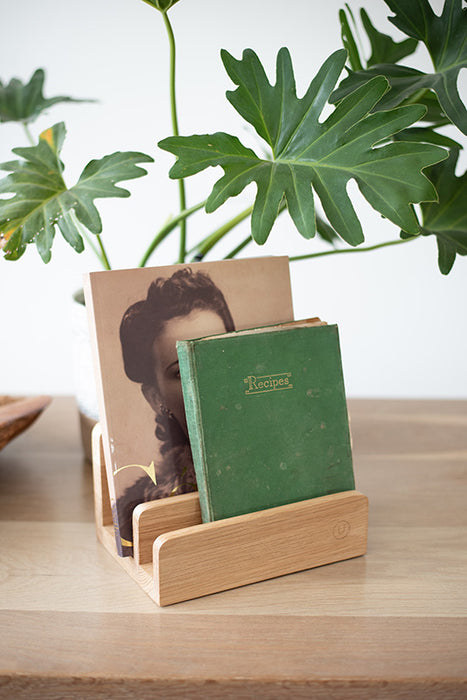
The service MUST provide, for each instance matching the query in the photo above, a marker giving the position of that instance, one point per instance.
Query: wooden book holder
(177, 557)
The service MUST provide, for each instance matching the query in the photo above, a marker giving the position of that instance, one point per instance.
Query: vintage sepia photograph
(136, 317)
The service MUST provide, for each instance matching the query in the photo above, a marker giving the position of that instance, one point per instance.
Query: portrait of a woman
(185, 305)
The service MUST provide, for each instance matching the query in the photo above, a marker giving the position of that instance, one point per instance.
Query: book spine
(186, 357)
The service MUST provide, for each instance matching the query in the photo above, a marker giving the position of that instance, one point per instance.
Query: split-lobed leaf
(311, 155)
(383, 47)
(445, 40)
(21, 102)
(41, 200)
(447, 218)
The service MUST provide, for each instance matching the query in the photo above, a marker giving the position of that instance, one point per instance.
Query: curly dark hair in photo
(167, 298)
(142, 323)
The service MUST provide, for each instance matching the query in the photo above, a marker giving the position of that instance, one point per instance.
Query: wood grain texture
(102, 507)
(230, 656)
(216, 556)
(18, 413)
(391, 624)
(191, 559)
(239, 689)
(157, 517)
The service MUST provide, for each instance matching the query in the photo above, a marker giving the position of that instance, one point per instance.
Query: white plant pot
(83, 371)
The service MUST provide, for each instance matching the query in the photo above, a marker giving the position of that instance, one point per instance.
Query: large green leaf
(383, 48)
(407, 85)
(447, 219)
(24, 102)
(349, 42)
(445, 38)
(41, 200)
(426, 135)
(308, 153)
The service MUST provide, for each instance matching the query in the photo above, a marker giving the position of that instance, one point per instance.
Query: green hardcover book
(267, 417)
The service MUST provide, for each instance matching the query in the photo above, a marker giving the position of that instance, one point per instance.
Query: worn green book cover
(267, 417)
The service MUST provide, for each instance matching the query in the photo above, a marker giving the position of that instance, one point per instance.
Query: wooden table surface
(391, 624)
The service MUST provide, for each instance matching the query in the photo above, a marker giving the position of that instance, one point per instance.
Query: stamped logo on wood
(341, 529)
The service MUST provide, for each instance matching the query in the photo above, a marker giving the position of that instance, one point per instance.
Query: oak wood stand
(177, 557)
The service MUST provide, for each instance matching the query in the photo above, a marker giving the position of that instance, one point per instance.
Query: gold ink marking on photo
(150, 470)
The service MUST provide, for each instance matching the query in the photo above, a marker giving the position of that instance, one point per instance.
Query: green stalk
(94, 248)
(103, 255)
(233, 253)
(173, 110)
(29, 136)
(99, 250)
(210, 241)
(165, 230)
(338, 251)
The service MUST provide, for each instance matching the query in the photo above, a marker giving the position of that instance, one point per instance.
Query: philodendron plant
(385, 133)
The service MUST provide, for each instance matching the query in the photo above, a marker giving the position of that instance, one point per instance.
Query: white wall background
(403, 325)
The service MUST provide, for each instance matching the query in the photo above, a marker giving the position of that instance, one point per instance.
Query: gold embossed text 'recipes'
(268, 382)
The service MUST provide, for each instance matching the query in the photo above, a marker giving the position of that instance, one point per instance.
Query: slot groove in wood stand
(177, 557)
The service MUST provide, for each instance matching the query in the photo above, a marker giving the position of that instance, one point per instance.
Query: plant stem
(99, 250)
(165, 230)
(205, 246)
(90, 243)
(337, 251)
(210, 241)
(233, 253)
(103, 256)
(29, 136)
(173, 110)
